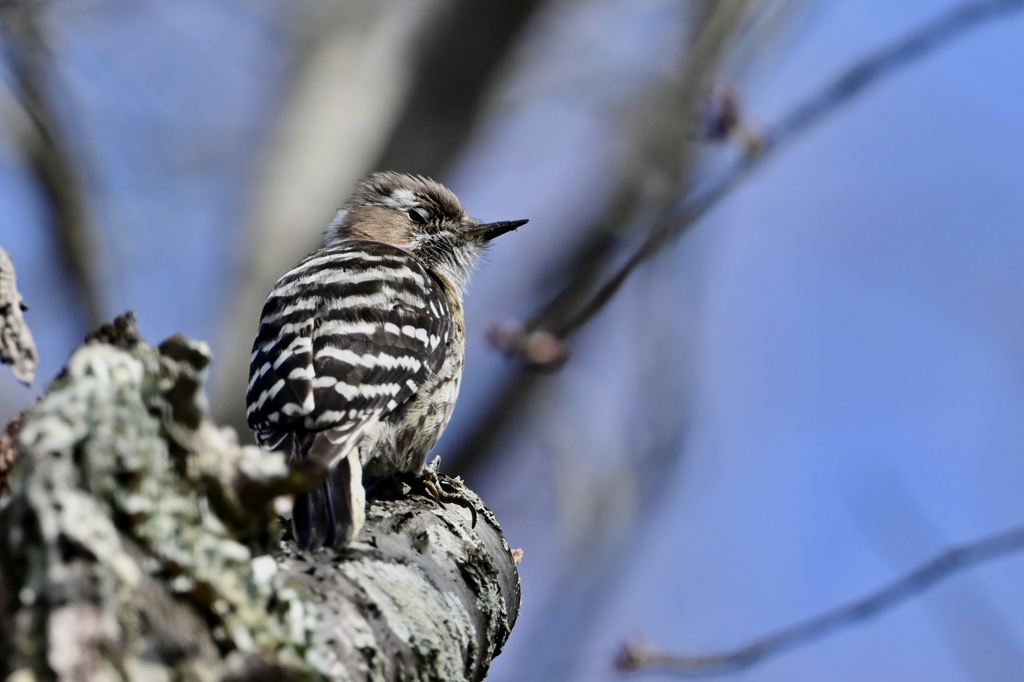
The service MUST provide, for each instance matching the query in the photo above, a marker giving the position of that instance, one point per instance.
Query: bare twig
(681, 215)
(575, 305)
(16, 345)
(666, 144)
(637, 656)
(663, 131)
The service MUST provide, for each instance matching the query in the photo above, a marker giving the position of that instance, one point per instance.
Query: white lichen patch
(416, 612)
(263, 570)
(133, 508)
(101, 482)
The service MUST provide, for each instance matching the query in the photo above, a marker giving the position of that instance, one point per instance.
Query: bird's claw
(433, 485)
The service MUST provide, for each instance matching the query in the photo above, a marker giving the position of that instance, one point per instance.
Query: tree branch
(579, 301)
(139, 541)
(637, 656)
(684, 213)
(661, 129)
(17, 348)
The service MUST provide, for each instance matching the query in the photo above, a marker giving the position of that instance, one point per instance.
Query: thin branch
(636, 656)
(574, 305)
(668, 151)
(668, 163)
(856, 80)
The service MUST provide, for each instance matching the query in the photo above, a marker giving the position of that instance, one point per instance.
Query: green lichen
(125, 503)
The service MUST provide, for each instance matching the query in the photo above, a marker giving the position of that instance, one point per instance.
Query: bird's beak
(485, 232)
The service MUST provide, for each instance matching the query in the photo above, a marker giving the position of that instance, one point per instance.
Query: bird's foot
(455, 494)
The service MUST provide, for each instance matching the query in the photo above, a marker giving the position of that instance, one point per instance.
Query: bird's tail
(333, 514)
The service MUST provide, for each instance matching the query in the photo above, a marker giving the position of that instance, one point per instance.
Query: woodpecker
(359, 353)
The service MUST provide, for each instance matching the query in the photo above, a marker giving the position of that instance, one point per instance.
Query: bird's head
(420, 216)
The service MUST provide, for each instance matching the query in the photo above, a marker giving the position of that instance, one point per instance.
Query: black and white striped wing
(345, 338)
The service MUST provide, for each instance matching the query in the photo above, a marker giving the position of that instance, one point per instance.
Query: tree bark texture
(139, 541)
(17, 348)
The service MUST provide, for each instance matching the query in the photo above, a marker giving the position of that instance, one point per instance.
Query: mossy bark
(139, 541)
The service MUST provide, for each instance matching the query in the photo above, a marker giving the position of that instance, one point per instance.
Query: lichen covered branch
(17, 348)
(139, 541)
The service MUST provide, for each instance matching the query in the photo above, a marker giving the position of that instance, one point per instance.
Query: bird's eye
(418, 215)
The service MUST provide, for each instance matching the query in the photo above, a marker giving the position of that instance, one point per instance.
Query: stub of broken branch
(17, 348)
(139, 541)
(439, 611)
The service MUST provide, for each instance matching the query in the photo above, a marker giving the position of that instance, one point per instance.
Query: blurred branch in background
(455, 68)
(681, 214)
(659, 214)
(637, 656)
(48, 152)
(394, 83)
(661, 132)
(579, 300)
(966, 613)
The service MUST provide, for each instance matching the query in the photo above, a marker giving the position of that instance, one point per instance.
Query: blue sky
(835, 352)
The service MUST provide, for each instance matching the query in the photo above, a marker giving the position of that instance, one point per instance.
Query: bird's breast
(414, 429)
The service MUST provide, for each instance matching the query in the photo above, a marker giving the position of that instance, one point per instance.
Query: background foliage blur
(814, 387)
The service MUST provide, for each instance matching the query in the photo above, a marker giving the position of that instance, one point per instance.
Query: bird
(360, 347)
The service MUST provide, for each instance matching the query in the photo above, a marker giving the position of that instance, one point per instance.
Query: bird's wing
(345, 338)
